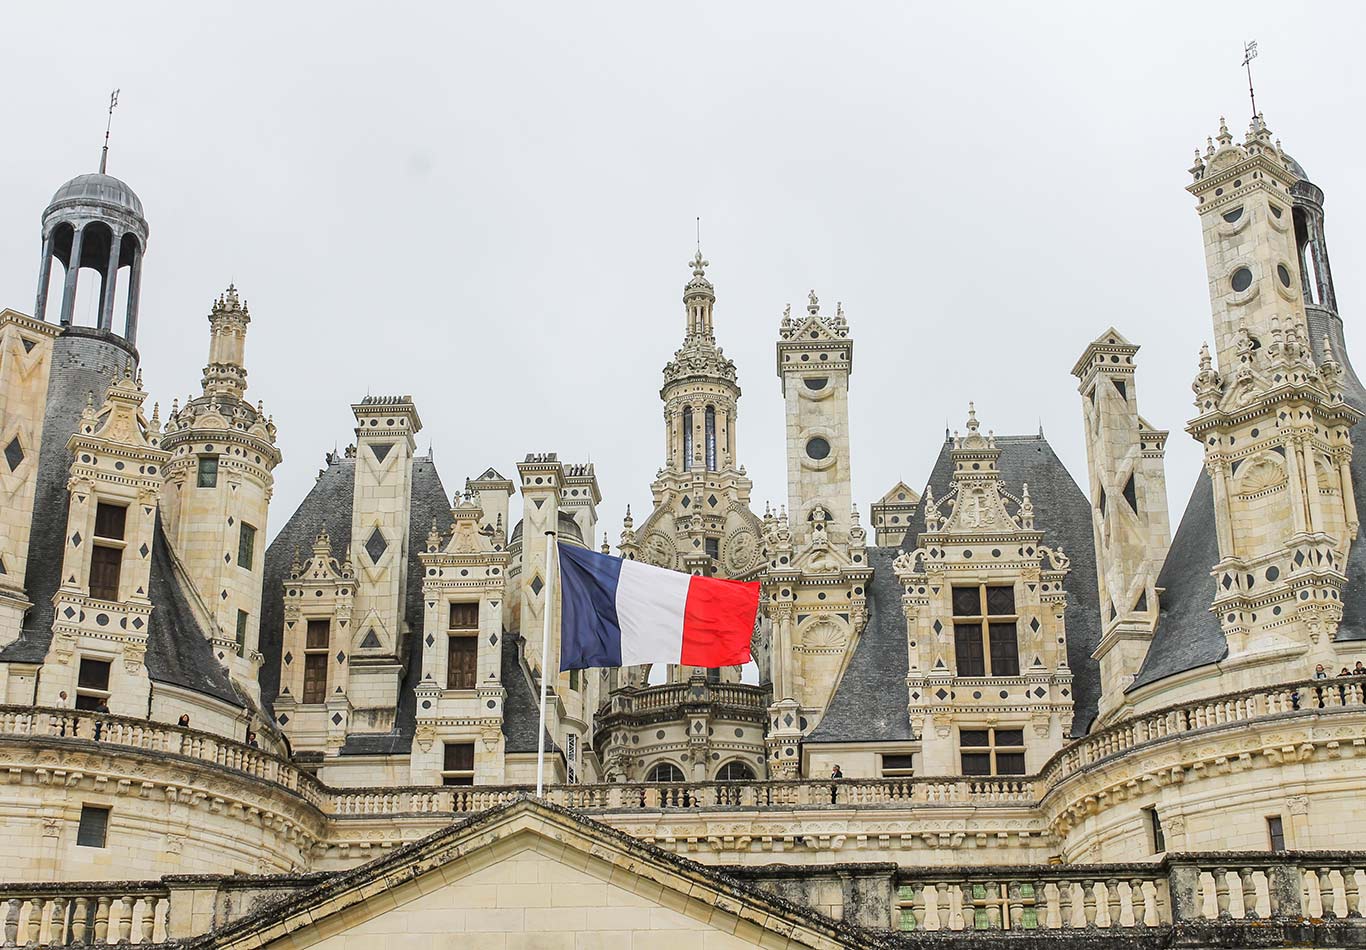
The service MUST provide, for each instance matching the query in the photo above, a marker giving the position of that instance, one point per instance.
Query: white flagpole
(545, 657)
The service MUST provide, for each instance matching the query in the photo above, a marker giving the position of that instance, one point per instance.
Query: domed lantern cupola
(94, 222)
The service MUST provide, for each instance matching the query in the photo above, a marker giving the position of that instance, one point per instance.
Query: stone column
(111, 274)
(130, 327)
(44, 275)
(72, 268)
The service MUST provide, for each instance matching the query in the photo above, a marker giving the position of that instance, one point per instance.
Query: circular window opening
(1234, 215)
(816, 383)
(1241, 280)
(817, 448)
(1283, 273)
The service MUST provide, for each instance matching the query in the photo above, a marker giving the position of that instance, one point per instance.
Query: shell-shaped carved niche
(1261, 474)
(823, 634)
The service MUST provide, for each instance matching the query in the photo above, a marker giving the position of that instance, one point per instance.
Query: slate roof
(84, 361)
(869, 704)
(1188, 635)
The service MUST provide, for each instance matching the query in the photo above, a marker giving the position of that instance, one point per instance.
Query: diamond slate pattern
(14, 453)
(375, 545)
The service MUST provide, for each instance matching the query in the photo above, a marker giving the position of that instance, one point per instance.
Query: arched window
(687, 439)
(665, 772)
(711, 438)
(735, 772)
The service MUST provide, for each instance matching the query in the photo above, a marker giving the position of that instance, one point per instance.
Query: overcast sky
(490, 206)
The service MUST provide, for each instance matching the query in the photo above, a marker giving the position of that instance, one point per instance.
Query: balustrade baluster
(1249, 893)
(12, 909)
(1221, 892)
(56, 925)
(1089, 900)
(35, 919)
(102, 919)
(79, 924)
(1350, 892)
(149, 918)
(1138, 900)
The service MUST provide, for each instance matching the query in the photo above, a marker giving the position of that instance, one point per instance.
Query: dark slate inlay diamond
(223, 594)
(341, 657)
(76, 540)
(537, 585)
(711, 500)
(1034, 624)
(938, 626)
(227, 558)
(336, 719)
(381, 450)
(14, 453)
(137, 623)
(687, 502)
(284, 720)
(375, 545)
(430, 640)
(370, 641)
(493, 639)
(144, 550)
(289, 658)
(69, 612)
(941, 694)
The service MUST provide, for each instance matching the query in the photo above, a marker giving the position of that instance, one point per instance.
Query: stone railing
(1186, 888)
(1302, 696)
(646, 699)
(83, 915)
(47, 722)
(1307, 696)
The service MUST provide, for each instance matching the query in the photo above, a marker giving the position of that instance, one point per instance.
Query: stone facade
(1017, 707)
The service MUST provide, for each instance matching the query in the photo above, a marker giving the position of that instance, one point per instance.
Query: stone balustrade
(78, 726)
(1222, 890)
(83, 915)
(1259, 703)
(1187, 888)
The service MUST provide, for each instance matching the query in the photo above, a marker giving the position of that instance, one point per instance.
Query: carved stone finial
(698, 265)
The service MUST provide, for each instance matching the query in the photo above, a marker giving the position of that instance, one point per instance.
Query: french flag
(615, 612)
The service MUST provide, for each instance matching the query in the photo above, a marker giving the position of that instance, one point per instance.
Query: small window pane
(94, 674)
(94, 827)
(459, 757)
(1009, 737)
(896, 763)
(246, 546)
(318, 631)
(110, 521)
(1276, 830)
(207, 475)
(462, 662)
(315, 678)
(465, 616)
(106, 564)
(974, 737)
(1005, 651)
(665, 772)
(976, 763)
(241, 630)
(967, 602)
(735, 772)
(1010, 763)
(1001, 600)
(967, 642)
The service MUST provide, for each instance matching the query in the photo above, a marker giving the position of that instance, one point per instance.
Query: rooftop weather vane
(104, 155)
(1249, 54)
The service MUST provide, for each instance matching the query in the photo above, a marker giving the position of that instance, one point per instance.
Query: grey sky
(489, 206)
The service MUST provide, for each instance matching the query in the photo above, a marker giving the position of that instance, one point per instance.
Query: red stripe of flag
(718, 621)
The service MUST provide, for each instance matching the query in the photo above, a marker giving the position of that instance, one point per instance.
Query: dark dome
(1295, 167)
(98, 189)
(568, 528)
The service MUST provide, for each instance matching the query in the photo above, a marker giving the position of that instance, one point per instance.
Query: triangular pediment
(525, 868)
(900, 494)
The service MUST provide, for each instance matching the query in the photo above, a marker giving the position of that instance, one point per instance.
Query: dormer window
(984, 631)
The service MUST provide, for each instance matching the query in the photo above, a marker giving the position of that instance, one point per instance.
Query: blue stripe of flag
(590, 633)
